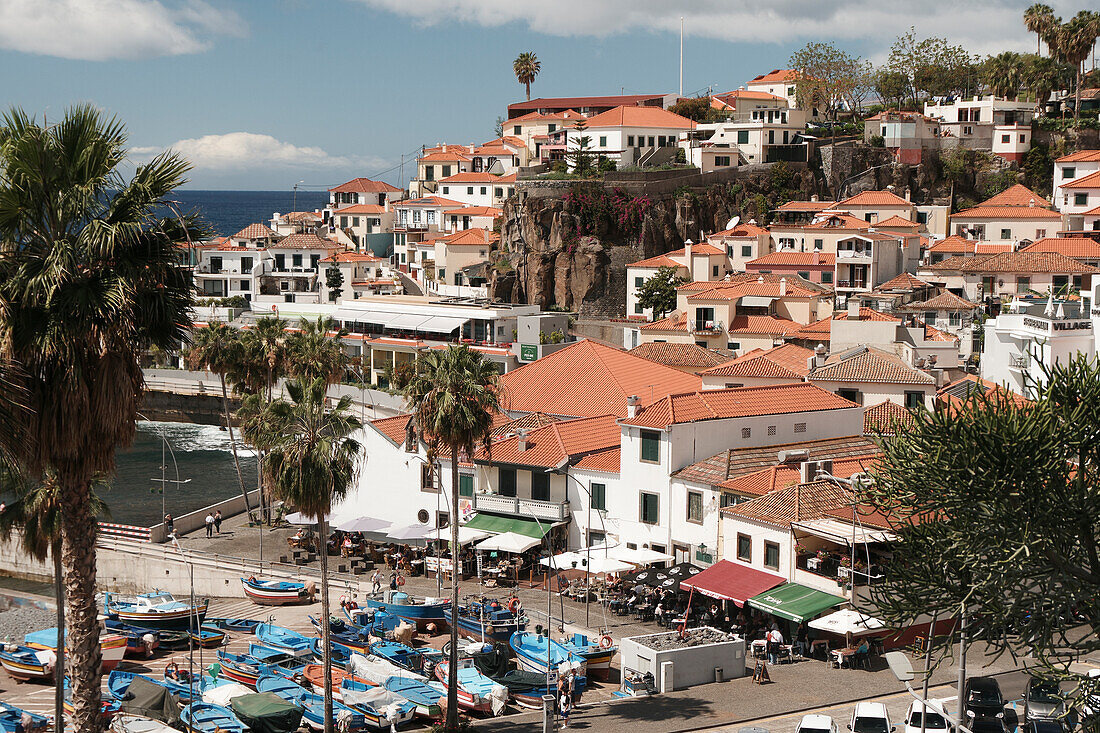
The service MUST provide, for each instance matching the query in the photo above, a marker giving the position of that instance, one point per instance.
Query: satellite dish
(733, 222)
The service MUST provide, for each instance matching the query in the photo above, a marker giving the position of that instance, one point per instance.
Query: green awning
(795, 602)
(500, 525)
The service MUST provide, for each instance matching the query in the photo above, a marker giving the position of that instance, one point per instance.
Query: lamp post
(588, 541)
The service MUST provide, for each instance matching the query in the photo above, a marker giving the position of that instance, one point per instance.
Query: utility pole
(962, 666)
(681, 55)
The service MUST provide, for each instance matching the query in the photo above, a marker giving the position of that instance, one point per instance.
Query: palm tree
(526, 66)
(312, 463)
(1042, 75)
(1073, 41)
(1003, 74)
(454, 395)
(217, 349)
(1040, 20)
(315, 354)
(260, 366)
(89, 279)
(36, 514)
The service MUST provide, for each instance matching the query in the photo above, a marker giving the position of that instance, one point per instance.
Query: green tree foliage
(659, 291)
(1071, 43)
(829, 77)
(996, 508)
(931, 66)
(579, 154)
(1038, 167)
(695, 108)
(892, 87)
(526, 67)
(1041, 75)
(334, 279)
(1003, 74)
(1040, 20)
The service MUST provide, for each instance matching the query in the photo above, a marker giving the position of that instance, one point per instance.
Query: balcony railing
(706, 326)
(554, 511)
(832, 568)
(1019, 361)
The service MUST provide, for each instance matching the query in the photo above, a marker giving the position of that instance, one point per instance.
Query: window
(246, 264)
(922, 217)
(469, 190)
(599, 496)
(355, 221)
(431, 216)
(446, 189)
(647, 509)
(819, 244)
(442, 520)
(296, 261)
(244, 285)
(746, 432)
(804, 275)
(517, 130)
(484, 190)
(507, 481)
(771, 555)
(551, 127)
(1005, 138)
(954, 318)
(744, 548)
(800, 427)
(771, 430)
(914, 399)
(826, 278)
(1080, 199)
(695, 507)
(746, 250)
(638, 308)
(1023, 138)
(446, 171)
(1023, 284)
(465, 485)
(852, 395)
(630, 141)
(968, 130)
(603, 141)
(742, 137)
(714, 271)
(731, 385)
(1069, 171)
(651, 141)
(540, 486)
(426, 481)
(639, 281)
(429, 173)
(733, 345)
(721, 161)
(1040, 233)
(498, 192)
(1006, 234)
(596, 538)
(343, 221)
(651, 446)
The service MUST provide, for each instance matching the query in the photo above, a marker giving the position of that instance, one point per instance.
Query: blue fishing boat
(204, 717)
(475, 691)
(422, 693)
(108, 706)
(340, 653)
(405, 656)
(281, 637)
(596, 654)
(381, 708)
(15, 720)
(139, 642)
(371, 621)
(119, 682)
(25, 663)
(312, 703)
(237, 625)
(260, 660)
(207, 638)
(156, 610)
(352, 637)
(277, 592)
(112, 647)
(419, 611)
(531, 654)
(489, 621)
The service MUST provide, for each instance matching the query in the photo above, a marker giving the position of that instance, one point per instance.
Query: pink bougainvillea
(592, 206)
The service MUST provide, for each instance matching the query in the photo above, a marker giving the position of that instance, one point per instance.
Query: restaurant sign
(528, 352)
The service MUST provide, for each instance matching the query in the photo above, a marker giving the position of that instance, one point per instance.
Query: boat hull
(425, 698)
(422, 615)
(24, 670)
(112, 648)
(474, 628)
(466, 700)
(266, 595)
(182, 619)
(598, 663)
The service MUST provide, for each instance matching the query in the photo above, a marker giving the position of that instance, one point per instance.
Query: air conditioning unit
(810, 469)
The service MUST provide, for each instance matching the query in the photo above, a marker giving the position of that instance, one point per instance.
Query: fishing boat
(312, 703)
(24, 663)
(112, 647)
(277, 592)
(207, 638)
(419, 611)
(527, 688)
(119, 682)
(16, 720)
(238, 625)
(204, 717)
(354, 638)
(157, 610)
(174, 639)
(140, 643)
(260, 660)
(371, 621)
(489, 621)
(380, 708)
(374, 670)
(314, 674)
(403, 656)
(108, 706)
(596, 654)
(422, 693)
(127, 723)
(475, 691)
(340, 653)
(281, 637)
(531, 654)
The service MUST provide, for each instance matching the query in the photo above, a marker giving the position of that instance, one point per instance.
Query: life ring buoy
(513, 605)
(606, 642)
(400, 581)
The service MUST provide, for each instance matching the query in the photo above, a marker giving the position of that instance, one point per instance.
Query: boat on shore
(127, 723)
(205, 717)
(112, 647)
(476, 692)
(280, 637)
(24, 663)
(259, 661)
(596, 654)
(489, 621)
(420, 611)
(157, 610)
(381, 708)
(237, 625)
(17, 720)
(278, 592)
(207, 638)
(119, 682)
(312, 704)
(420, 692)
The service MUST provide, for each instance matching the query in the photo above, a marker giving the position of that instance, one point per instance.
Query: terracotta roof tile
(392, 427)
(803, 502)
(865, 364)
(744, 229)
(640, 117)
(428, 202)
(690, 356)
(360, 209)
(589, 378)
(806, 206)
(874, 198)
(945, 301)
(983, 211)
(1017, 195)
(898, 222)
(1081, 156)
(556, 443)
(530, 421)
(884, 418)
(254, 231)
(658, 261)
(364, 185)
(783, 475)
(816, 331)
(305, 241)
(794, 259)
(717, 404)
(469, 177)
(472, 236)
(1034, 262)
(732, 463)
(1092, 180)
(775, 75)
(967, 388)
(607, 461)
(865, 314)
(475, 211)
(353, 257)
(452, 154)
(553, 116)
(1074, 247)
(904, 281)
(781, 362)
(676, 321)
(768, 286)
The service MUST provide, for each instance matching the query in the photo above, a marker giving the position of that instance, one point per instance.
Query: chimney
(815, 198)
(759, 278)
(820, 355)
(632, 405)
(472, 147)
(908, 194)
(687, 252)
(817, 257)
(853, 309)
(782, 286)
(521, 440)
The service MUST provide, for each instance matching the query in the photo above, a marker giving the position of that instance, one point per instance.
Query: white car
(816, 724)
(933, 721)
(870, 717)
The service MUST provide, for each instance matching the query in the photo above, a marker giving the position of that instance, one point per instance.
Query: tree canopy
(659, 291)
(829, 78)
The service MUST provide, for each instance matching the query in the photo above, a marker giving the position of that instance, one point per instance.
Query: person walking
(773, 641)
(393, 580)
(169, 523)
(565, 706)
(209, 526)
(376, 581)
(218, 521)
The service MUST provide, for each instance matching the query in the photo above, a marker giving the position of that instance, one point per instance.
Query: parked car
(816, 724)
(1043, 700)
(933, 721)
(870, 717)
(984, 698)
(988, 724)
(1043, 726)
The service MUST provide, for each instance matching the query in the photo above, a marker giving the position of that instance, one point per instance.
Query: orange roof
(1075, 247)
(691, 356)
(794, 259)
(530, 421)
(783, 475)
(353, 257)
(364, 185)
(589, 378)
(737, 94)
(1026, 262)
(884, 418)
(360, 209)
(945, 301)
(607, 461)
(866, 364)
(428, 202)
(805, 502)
(537, 116)
(676, 321)
(305, 241)
(838, 221)
(874, 198)
(969, 387)
(658, 261)
(1017, 195)
(719, 404)
(898, 222)
(904, 281)
(475, 211)
(744, 229)
(817, 331)
(865, 314)
(454, 153)
(254, 231)
(769, 325)
(983, 211)
(641, 117)
(806, 206)
(781, 362)
(955, 244)
(1092, 180)
(473, 237)
(555, 444)
(478, 178)
(775, 75)
(1081, 156)
(392, 427)
(767, 286)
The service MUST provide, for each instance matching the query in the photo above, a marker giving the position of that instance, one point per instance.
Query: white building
(478, 189)
(1012, 216)
(631, 135)
(1073, 167)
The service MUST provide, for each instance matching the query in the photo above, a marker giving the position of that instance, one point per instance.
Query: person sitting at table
(346, 546)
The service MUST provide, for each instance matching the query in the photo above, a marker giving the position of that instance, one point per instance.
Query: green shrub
(878, 141)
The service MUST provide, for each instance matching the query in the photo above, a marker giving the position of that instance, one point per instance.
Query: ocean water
(228, 212)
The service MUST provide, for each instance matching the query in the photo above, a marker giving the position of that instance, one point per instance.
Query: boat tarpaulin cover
(145, 697)
(266, 712)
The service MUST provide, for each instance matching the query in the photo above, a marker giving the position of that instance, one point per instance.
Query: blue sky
(260, 94)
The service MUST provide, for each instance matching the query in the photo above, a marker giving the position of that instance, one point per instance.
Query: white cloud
(99, 30)
(241, 151)
(981, 25)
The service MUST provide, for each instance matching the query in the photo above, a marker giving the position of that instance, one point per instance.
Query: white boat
(126, 723)
(375, 670)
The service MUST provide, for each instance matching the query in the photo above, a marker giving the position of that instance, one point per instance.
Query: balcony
(835, 567)
(553, 511)
(706, 326)
(1019, 362)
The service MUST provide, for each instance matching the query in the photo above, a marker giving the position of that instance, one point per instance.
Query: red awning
(732, 582)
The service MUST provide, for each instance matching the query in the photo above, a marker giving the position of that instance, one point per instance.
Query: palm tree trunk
(233, 443)
(528, 85)
(325, 630)
(452, 664)
(1077, 94)
(59, 678)
(78, 559)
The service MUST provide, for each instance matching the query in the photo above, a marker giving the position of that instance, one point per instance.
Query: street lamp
(588, 543)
